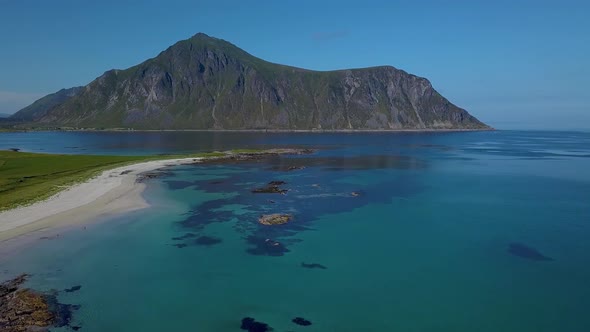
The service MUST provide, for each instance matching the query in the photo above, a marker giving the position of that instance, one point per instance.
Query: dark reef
(301, 321)
(313, 266)
(251, 325)
(307, 200)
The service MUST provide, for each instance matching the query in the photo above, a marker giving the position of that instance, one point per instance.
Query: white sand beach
(113, 191)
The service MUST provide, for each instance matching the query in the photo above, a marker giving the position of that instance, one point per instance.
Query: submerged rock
(72, 289)
(301, 321)
(207, 240)
(266, 247)
(275, 219)
(294, 168)
(251, 325)
(184, 237)
(524, 251)
(313, 266)
(232, 157)
(288, 168)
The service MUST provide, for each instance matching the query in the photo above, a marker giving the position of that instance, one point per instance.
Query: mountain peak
(208, 83)
(201, 35)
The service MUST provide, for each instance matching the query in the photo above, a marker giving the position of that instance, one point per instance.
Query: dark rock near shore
(23, 309)
(150, 175)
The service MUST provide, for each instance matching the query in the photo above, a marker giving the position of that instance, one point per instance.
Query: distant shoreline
(315, 131)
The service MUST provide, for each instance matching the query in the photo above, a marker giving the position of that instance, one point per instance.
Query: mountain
(5, 115)
(208, 83)
(39, 108)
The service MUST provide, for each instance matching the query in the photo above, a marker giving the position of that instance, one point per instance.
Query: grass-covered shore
(29, 177)
(26, 178)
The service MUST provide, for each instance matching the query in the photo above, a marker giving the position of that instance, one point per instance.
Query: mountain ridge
(208, 83)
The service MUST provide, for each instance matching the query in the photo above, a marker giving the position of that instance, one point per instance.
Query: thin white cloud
(324, 36)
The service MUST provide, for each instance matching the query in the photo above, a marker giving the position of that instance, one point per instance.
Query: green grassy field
(28, 177)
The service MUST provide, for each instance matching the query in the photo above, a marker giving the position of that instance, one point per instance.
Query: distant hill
(39, 108)
(5, 115)
(208, 83)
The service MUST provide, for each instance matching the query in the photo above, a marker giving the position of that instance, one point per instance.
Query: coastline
(113, 191)
(316, 131)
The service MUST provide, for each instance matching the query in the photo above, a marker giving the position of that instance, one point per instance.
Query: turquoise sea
(474, 231)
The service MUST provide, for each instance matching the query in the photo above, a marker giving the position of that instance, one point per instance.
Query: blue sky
(513, 64)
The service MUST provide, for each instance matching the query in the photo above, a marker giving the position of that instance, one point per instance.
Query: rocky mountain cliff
(208, 83)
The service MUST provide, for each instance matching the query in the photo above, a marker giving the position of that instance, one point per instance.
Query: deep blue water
(478, 231)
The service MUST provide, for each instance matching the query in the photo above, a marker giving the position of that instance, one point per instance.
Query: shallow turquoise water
(424, 247)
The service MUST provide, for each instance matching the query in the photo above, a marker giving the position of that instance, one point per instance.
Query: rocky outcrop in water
(208, 83)
(273, 187)
(275, 219)
(23, 309)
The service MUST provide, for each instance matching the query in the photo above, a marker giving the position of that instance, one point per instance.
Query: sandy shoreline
(114, 191)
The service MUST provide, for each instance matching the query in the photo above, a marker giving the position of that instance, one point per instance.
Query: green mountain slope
(208, 83)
